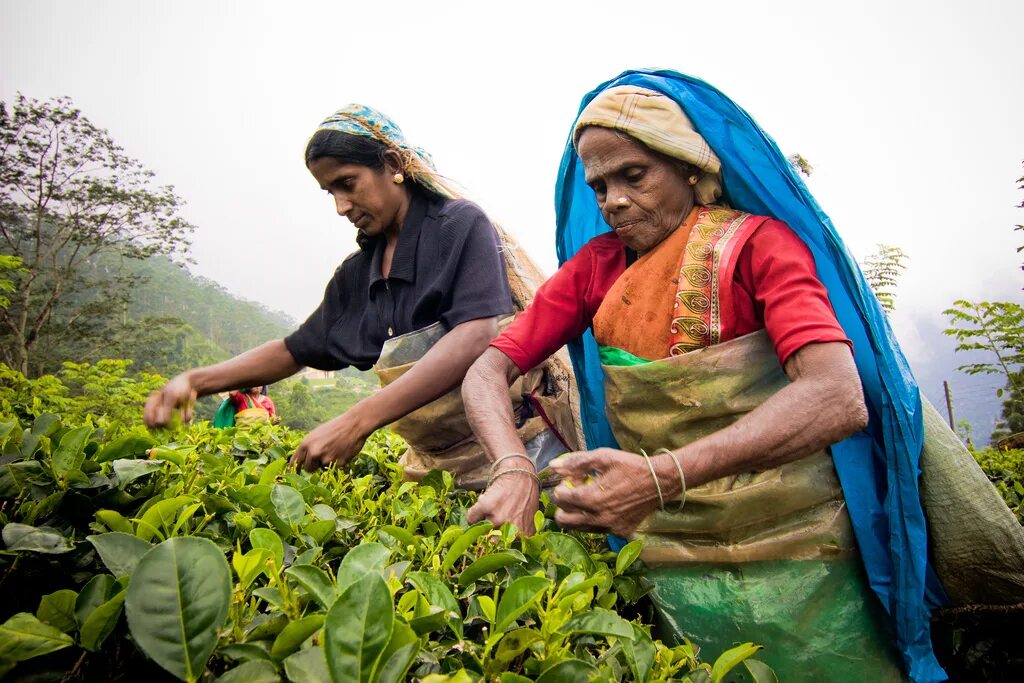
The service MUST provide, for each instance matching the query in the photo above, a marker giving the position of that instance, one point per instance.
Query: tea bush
(197, 553)
(1005, 469)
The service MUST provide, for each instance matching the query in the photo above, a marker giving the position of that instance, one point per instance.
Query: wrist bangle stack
(510, 470)
(657, 484)
(682, 477)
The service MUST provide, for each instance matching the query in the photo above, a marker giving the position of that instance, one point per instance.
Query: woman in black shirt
(424, 258)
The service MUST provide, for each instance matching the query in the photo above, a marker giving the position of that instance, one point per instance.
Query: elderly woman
(768, 485)
(418, 302)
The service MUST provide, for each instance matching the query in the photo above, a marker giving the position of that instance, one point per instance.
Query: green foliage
(103, 395)
(1005, 469)
(996, 328)
(221, 561)
(68, 194)
(9, 265)
(882, 270)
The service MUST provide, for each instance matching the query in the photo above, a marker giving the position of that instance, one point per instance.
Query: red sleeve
(564, 305)
(778, 269)
(269, 405)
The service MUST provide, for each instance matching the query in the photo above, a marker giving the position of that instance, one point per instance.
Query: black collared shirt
(447, 268)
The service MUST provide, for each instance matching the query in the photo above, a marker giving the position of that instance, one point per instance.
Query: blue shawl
(878, 467)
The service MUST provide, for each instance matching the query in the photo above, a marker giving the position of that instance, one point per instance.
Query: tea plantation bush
(197, 554)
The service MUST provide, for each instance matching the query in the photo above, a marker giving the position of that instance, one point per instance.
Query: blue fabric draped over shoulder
(879, 467)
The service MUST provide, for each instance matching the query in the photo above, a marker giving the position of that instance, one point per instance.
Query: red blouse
(775, 287)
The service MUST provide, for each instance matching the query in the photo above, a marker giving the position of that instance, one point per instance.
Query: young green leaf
(268, 539)
(730, 658)
(462, 543)
(490, 563)
(627, 556)
(520, 596)
(70, 452)
(249, 565)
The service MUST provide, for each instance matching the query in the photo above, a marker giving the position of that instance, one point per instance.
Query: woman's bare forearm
(488, 409)
(264, 364)
(438, 372)
(822, 406)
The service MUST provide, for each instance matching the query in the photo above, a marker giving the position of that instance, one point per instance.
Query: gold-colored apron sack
(438, 434)
(252, 414)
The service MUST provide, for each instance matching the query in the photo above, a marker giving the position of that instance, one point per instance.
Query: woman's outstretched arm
(265, 364)
(438, 372)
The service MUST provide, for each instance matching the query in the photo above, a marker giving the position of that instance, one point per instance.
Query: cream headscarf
(659, 123)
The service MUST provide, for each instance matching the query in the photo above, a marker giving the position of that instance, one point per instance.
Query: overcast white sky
(909, 111)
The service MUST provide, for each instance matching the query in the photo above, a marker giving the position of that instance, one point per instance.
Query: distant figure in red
(253, 397)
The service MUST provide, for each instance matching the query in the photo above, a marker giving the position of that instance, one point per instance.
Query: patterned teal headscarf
(358, 119)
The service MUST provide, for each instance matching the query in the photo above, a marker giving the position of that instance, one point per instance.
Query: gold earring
(693, 179)
(398, 178)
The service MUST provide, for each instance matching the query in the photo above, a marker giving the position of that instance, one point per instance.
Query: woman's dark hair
(346, 148)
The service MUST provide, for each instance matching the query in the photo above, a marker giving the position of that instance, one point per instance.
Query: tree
(882, 270)
(70, 193)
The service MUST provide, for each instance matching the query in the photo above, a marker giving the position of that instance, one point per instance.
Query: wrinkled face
(643, 195)
(367, 197)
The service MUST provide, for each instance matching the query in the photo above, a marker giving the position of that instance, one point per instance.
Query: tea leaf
(288, 503)
(58, 610)
(24, 637)
(364, 559)
(517, 598)
(462, 543)
(627, 556)
(358, 628)
(177, 601)
(490, 563)
(316, 582)
(119, 551)
(730, 658)
(398, 656)
(760, 672)
(101, 622)
(295, 634)
(308, 665)
(251, 672)
(568, 671)
(35, 539)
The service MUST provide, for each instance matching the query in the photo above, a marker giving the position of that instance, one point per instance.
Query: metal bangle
(509, 471)
(507, 456)
(657, 484)
(682, 477)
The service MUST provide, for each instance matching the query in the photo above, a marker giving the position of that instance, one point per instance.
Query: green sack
(225, 416)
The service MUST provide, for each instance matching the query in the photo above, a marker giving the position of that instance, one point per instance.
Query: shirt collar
(403, 261)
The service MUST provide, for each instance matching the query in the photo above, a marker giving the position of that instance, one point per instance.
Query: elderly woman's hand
(513, 497)
(610, 490)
